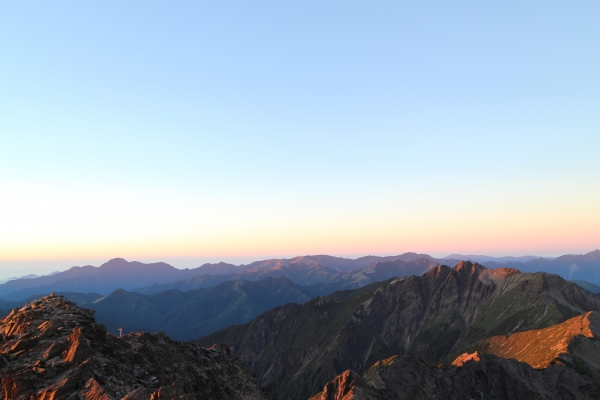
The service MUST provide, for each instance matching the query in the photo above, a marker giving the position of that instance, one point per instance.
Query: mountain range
(558, 362)
(192, 313)
(296, 349)
(394, 329)
(585, 267)
(305, 270)
(121, 274)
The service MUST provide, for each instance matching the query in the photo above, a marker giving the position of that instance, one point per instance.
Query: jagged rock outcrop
(50, 349)
(295, 349)
(476, 376)
(574, 342)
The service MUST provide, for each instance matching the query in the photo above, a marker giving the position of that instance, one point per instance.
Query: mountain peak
(114, 262)
(469, 268)
(54, 349)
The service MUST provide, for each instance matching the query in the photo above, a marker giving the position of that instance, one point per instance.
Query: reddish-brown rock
(481, 376)
(50, 349)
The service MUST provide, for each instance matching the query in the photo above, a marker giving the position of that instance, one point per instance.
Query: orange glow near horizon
(94, 225)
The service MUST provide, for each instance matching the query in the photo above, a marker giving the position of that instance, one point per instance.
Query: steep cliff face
(295, 350)
(574, 342)
(476, 376)
(50, 350)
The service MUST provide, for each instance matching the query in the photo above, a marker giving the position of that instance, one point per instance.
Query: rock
(465, 357)
(139, 394)
(53, 350)
(409, 378)
(347, 385)
(93, 391)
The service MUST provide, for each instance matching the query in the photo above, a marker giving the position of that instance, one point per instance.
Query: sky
(203, 131)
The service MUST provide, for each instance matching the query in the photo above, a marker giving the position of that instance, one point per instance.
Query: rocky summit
(50, 349)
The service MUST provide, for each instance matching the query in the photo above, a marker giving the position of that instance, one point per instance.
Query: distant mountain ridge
(310, 273)
(120, 273)
(482, 259)
(571, 266)
(114, 274)
(306, 270)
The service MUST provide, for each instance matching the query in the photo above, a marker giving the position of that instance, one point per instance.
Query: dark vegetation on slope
(188, 315)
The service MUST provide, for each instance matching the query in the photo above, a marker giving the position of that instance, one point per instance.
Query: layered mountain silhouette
(394, 329)
(584, 267)
(308, 273)
(116, 273)
(305, 270)
(296, 349)
(121, 274)
(482, 259)
(193, 313)
(188, 315)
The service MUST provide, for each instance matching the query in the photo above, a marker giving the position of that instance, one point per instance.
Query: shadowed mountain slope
(52, 349)
(188, 315)
(296, 349)
(590, 287)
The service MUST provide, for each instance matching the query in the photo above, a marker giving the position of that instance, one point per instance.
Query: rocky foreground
(50, 349)
(472, 376)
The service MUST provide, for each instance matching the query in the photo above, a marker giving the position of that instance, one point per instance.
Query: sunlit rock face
(472, 376)
(574, 342)
(50, 349)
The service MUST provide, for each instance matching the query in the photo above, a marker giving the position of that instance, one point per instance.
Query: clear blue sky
(218, 130)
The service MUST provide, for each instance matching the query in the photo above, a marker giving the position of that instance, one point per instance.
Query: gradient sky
(239, 130)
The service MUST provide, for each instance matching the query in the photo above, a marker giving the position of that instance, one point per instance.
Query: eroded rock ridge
(50, 349)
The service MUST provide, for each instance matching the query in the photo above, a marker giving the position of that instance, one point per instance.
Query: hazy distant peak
(114, 262)
(480, 258)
